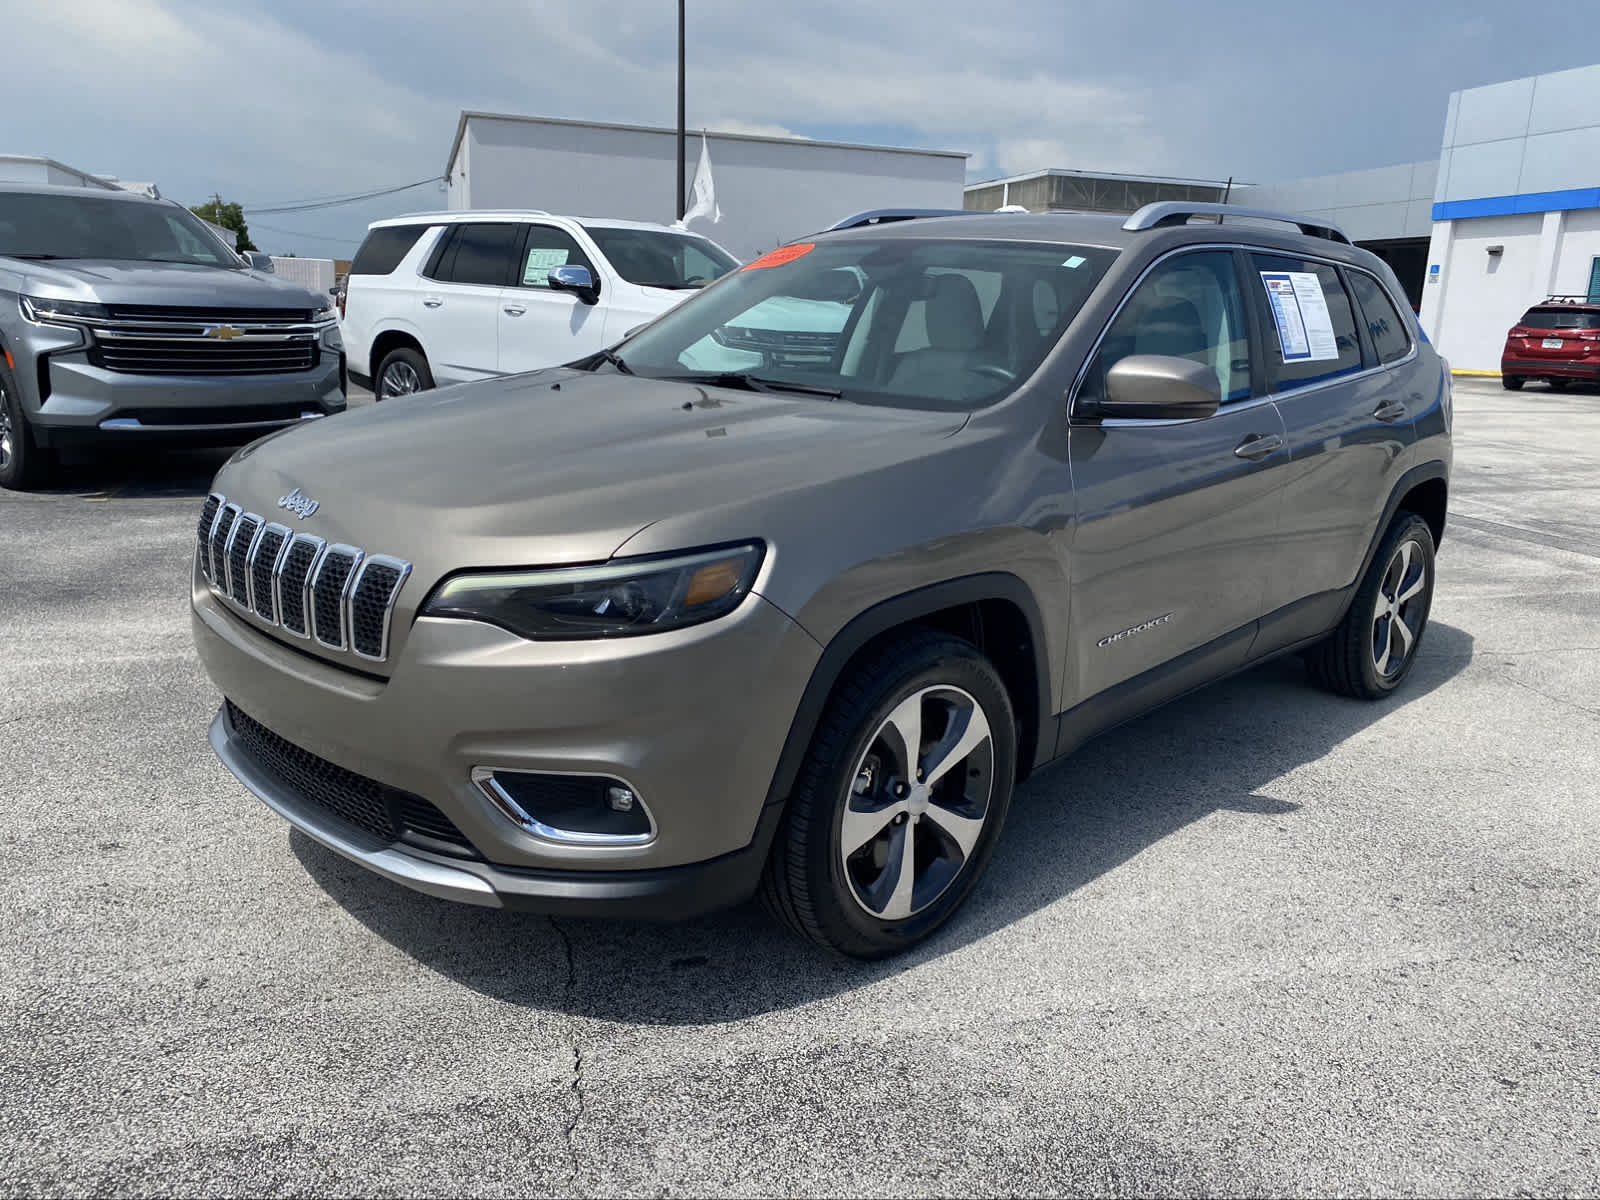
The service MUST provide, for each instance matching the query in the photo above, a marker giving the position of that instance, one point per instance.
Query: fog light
(581, 810)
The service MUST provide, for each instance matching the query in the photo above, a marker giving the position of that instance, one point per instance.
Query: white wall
(770, 190)
(314, 273)
(1579, 247)
(1380, 204)
(1539, 134)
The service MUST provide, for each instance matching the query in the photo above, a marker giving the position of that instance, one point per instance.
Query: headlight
(644, 595)
(43, 310)
(325, 314)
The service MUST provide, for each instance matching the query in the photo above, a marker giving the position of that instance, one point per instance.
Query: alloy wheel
(917, 802)
(399, 379)
(6, 432)
(1396, 616)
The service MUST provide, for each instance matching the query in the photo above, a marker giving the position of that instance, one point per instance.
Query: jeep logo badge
(300, 504)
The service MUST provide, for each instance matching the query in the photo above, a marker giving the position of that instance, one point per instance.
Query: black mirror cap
(1158, 387)
(576, 280)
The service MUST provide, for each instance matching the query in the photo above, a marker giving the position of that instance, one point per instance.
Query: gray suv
(124, 319)
(689, 619)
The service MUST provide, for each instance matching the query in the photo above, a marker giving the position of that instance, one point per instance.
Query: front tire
(900, 800)
(1374, 648)
(24, 464)
(403, 372)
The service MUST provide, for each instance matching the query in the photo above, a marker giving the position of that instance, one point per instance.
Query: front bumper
(1551, 368)
(70, 401)
(695, 720)
(669, 894)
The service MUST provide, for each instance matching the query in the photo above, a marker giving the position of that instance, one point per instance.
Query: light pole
(679, 205)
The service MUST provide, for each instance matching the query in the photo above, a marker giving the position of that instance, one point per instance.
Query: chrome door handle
(431, 302)
(1259, 445)
(1389, 410)
(514, 310)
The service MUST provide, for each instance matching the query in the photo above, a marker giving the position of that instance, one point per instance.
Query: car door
(1177, 520)
(1346, 416)
(539, 326)
(458, 304)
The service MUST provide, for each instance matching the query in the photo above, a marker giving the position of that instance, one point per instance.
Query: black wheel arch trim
(1434, 469)
(905, 610)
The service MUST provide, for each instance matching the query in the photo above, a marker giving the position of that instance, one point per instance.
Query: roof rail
(1178, 212)
(882, 216)
(1569, 298)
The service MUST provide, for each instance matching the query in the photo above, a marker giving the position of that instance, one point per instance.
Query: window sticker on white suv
(1305, 328)
(540, 263)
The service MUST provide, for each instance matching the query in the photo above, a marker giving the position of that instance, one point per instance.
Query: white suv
(442, 298)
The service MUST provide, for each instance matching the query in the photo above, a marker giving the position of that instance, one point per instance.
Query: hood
(181, 285)
(559, 466)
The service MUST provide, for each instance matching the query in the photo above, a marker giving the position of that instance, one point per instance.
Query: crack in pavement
(570, 1130)
(1573, 704)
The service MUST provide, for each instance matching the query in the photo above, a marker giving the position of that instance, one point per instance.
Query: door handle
(431, 302)
(514, 310)
(1259, 445)
(1390, 410)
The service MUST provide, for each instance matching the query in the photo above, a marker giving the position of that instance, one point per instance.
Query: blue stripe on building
(1529, 202)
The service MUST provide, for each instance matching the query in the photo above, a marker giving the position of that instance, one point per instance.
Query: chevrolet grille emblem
(224, 333)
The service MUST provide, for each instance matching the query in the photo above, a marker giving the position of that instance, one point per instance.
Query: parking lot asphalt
(1264, 941)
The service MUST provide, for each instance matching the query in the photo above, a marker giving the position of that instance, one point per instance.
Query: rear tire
(24, 464)
(403, 372)
(1374, 648)
(869, 860)
(1560, 385)
(1512, 383)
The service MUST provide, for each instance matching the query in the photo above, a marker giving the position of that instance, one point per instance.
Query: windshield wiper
(35, 257)
(615, 359)
(756, 383)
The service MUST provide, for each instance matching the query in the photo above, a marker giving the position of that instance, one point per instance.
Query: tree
(228, 215)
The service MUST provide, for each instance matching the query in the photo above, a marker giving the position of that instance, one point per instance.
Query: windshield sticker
(1305, 329)
(541, 263)
(784, 254)
(1076, 261)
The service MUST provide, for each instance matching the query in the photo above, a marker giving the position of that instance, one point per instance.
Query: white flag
(705, 195)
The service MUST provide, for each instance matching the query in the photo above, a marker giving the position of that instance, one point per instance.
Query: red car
(1557, 341)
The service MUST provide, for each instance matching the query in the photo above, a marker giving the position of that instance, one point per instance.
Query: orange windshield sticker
(784, 254)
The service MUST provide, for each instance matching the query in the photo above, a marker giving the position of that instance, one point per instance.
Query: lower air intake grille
(374, 808)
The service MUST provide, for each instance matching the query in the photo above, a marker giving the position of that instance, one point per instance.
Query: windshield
(916, 323)
(657, 258)
(57, 225)
(1561, 318)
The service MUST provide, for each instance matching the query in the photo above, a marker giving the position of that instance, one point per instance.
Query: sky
(289, 100)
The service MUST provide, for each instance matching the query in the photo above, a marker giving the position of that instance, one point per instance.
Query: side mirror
(577, 280)
(1156, 387)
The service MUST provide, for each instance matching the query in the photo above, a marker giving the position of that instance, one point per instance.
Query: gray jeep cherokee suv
(124, 319)
(688, 619)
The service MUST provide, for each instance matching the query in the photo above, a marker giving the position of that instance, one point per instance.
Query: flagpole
(679, 205)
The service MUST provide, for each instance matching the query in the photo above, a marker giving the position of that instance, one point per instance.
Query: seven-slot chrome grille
(205, 341)
(337, 595)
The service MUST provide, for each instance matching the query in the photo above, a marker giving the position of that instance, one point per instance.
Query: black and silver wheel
(900, 800)
(1376, 644)
(24, 465)
(1512, 383)
(402, 372)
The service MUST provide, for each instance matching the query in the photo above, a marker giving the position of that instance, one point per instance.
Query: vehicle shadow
(139, 473)
(1217, 750)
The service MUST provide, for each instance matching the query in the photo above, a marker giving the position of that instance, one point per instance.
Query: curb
(1476, 374)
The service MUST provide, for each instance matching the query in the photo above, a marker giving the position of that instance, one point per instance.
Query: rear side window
(477, 252)
(384, 247)
(1310, 323)
(1561, 318)
(1388, 332)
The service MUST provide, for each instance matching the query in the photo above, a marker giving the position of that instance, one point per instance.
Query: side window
(1311, 327)
(384, 247)
(1388, 332)
(547, 248)
(1190, 307)
(478, 252)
